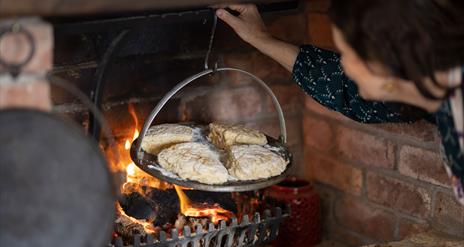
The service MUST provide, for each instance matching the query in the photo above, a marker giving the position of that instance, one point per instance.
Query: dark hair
(412, 38)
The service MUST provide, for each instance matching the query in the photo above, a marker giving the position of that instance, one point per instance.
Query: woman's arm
(250, 27)
(317, 71)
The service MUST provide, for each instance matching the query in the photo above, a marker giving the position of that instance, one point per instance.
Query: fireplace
(151, 212)
(126, 64)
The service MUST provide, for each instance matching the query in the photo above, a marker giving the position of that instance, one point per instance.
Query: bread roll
(162, 136)
(224, 136)
(194, 161)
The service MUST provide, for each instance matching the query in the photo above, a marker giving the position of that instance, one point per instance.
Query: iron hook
(211, 39)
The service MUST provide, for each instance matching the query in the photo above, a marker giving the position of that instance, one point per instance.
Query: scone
(194, 161)
(224, 135)
(249, 162)
(162, 136)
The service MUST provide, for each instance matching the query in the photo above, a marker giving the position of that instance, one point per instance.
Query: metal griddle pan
(148, 162)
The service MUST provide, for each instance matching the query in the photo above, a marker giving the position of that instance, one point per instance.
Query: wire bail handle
(15, 68)
(149, 120)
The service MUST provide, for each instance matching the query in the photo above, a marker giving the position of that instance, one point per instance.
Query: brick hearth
(380, 182)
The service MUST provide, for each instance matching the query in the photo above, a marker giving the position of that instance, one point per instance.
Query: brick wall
(378, 182)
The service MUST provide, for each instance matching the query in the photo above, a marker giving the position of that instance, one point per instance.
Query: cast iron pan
(55, 187)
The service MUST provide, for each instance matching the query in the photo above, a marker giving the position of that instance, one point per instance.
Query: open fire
(137, 181)
(161, 214)
(215, 213)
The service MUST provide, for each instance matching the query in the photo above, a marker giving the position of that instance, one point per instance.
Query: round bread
(194, 161)
(250, 162)
(162, 136)
(224, 135)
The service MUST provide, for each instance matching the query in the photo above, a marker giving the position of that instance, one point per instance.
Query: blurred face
(372, 85)
(375, 82)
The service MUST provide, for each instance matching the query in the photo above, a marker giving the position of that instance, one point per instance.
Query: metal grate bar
(248, 233)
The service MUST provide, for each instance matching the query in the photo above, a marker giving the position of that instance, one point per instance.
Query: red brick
(314, 106)
(449, 214)
(317, 5)
(271, 126)
(15, 48)
(423, 164)
(365, 219)
(290, 98)
(329, 171)
(422, 131)
(298, 160)
(234, 104)
(364, 148)
(279, 25)
(242, 61)
(327, 196)
(239, 60)
(317, 133)
(339, 233)
(320, 30)
(256, 63)
(268, 69)
(393, 193)
(408, 228)
(25, 93)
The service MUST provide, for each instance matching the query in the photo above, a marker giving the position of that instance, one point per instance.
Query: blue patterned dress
(319, 73)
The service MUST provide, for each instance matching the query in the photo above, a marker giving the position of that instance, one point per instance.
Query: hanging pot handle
(178, 87)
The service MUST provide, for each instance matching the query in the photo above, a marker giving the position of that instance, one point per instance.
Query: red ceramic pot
(303, 228)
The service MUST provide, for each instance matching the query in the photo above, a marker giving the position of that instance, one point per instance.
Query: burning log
(162, 207)
(126, 226)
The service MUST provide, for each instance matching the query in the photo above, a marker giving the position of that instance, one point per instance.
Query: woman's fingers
(228, 18)
(248, 24)
(239, 7)
(236, 7)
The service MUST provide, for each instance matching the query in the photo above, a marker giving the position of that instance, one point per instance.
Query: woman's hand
(248, 25)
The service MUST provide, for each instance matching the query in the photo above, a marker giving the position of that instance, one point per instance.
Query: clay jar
(303, 227)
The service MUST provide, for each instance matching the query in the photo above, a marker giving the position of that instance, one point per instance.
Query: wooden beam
(93, 7)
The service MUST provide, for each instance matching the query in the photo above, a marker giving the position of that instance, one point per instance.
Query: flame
(214, 212)
(135, 177)
(127, 144)
(136, 180)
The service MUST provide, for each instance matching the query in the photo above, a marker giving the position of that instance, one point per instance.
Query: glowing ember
(147, 226)
(214, 212)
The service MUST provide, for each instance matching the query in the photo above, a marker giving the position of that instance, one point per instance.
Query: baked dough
(162, 136)
(249, 162)
(224, 135)
(194, 161)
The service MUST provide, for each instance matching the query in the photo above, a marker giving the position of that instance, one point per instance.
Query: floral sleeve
(320, 75)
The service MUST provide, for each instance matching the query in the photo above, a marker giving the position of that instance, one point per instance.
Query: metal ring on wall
(15, 68)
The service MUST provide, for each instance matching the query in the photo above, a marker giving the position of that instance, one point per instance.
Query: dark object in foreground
(54, 183)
